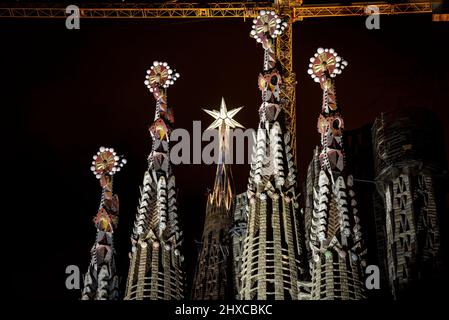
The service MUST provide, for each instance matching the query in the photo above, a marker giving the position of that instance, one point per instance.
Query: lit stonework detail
(410, 166)
(335, 238)
(101, 280)
(238, 236)
(272, 251)
(213, 277)
(155, 270)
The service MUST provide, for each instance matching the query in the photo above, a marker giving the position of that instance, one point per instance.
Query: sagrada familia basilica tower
(263, 243)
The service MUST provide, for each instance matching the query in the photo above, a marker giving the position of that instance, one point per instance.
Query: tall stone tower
(101, 280)
(335, 237)
(155, 270)
(272, 249)
(411, 172)
(213, 280)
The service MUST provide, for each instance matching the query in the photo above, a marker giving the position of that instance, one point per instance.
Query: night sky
(64, 93)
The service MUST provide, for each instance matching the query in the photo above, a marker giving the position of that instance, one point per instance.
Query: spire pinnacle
(224, 117)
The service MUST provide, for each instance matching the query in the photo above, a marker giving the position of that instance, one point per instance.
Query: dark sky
(65, 92)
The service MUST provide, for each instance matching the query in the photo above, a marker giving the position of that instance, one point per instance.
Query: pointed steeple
(213, 276)
(223, 190)
(155, 270)
(335, 237)
(101, 280)
(273, 236)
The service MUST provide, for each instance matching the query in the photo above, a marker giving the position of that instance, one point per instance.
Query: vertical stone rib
(344, 275)
(167, 275)
(432, 231)
(155, 272)
(278, 278)
(358, 281)
(247, 259)
(141, 270)
(329, 261)
(262, 262)
(178, 276)
(131, 275)
(293, 276)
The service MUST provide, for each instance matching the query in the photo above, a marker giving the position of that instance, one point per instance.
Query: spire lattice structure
(272, 250)
(101, 280)
(212, 279)
(155, 270)
(335, 236)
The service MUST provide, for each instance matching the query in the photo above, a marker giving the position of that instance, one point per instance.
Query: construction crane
(291, 10)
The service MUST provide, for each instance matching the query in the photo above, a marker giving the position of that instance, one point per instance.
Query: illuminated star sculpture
(224, 117)
(212, 280)
(223, 121)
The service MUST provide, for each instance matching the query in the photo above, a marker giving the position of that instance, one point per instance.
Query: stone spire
(213, 278)
(272, 250)
(101, 280)
(155, 268)
(335, 234)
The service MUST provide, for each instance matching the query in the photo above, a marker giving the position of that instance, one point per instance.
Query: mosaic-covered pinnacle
(160, 75)
(106, 162)
(267, 26)
(325, 63)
